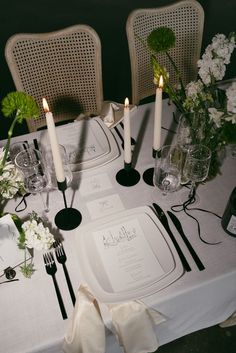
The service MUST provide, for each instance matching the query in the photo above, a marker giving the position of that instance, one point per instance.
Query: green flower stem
(176, 70)
(10, 132)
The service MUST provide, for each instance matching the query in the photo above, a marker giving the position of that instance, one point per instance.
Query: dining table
(31, 321)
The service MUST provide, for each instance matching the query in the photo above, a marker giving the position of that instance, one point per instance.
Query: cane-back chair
(63, 66)
(186, 19)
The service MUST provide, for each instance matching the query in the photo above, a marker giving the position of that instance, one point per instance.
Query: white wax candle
(127, 136)
(157, 117)
(59, 169)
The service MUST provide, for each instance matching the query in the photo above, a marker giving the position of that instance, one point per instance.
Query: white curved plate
(98, 262)
(89, 144)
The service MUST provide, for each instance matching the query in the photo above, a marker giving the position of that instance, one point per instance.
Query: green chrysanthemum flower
(21, 104)
(161, 39)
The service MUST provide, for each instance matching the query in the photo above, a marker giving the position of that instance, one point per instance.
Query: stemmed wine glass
(32, 166)
(196, 166)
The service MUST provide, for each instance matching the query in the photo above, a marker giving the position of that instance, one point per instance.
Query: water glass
(17, 147)
(168, 166)
(197, 165)
(31, 164)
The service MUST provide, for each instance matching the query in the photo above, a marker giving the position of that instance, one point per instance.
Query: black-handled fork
(61, 258)
(51, 269)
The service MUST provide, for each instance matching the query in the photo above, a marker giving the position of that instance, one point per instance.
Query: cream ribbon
(131, 322)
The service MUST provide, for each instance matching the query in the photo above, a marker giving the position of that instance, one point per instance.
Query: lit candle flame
(126, 102)
(45, 106)
(161, 82)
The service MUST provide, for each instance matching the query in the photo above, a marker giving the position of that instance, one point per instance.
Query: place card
(127, 257)
(94, 184)
(105, 206)
(10, 254)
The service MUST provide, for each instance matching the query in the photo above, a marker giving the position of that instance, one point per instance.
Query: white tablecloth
(30, 317)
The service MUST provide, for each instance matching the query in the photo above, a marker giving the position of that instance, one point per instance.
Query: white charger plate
(88, 143)
(96, 268)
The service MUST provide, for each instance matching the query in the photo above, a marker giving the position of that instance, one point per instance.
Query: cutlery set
(163, 219)
(51, 269)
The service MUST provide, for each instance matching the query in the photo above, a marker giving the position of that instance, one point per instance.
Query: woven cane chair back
(63, 66)
(186, 19)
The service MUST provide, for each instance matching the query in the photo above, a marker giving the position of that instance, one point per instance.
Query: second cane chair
(186, 19)
(63, 66)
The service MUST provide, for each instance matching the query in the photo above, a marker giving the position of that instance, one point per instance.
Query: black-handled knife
(163, 219)
(194, 255)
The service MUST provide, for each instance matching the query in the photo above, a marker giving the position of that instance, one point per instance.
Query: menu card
(10, 254)
(126, 255)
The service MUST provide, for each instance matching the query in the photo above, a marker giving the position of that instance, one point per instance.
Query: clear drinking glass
(190, 132)
(31, 164)
(17, 147)
(168, 168)
(196, 166)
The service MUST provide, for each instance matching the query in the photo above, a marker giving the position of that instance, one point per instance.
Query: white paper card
(127, 256)
(105, 206)
(10, 254)
(94, 184)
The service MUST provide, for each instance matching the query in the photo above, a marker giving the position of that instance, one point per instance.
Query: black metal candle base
(128, 176)
(68, 218)
(148, 174)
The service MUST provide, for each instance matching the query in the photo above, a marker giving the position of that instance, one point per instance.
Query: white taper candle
(127, 136)
(158, 116)
(59, 169)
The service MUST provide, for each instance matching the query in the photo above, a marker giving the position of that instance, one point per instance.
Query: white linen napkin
(131, 322)
(86, 332)
(112, 113)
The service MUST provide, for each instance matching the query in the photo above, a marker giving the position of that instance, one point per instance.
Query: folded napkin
(112, 113)
(86, 332)
(131, 322)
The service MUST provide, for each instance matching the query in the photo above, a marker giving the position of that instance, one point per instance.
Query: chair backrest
(63, 66)
(186, 19)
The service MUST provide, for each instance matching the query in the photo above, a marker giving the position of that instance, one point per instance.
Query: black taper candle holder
(68, 218)
(128, 176)
(149, 173)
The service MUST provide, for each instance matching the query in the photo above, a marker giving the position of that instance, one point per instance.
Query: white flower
(216, 56)
(216, 116)
(231, 98)
(231, 118)
(193, 89)
(10, 179)
(37, 236)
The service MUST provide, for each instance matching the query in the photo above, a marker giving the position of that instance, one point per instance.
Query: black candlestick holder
(68, 218)
(128, 176)
(149, 173)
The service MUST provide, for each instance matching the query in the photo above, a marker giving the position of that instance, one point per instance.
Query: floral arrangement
(33, 235)
(21, 106)
(207, 107)
(10, 179)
